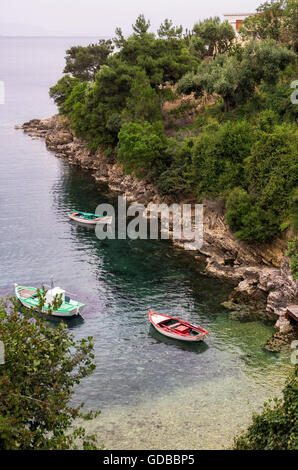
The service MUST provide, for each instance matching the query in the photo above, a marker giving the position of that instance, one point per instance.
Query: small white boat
(28, 296)
(90, 219)
(175, 328)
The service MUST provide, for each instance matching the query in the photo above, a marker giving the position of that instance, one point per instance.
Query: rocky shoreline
(260, 273)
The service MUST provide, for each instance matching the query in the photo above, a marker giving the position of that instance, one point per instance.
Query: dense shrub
(279, 100)
(218, 157)
(276, 428)
(266, 120)
(175, 179)
(77, 95)
(143, 103)
(140, 145)
(247, 219)
(42, 366)
(270, 178)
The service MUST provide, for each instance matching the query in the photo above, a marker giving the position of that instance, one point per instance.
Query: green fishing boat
(69, 308)
(90, 219)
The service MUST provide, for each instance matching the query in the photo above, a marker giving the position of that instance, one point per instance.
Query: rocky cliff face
(260, 272)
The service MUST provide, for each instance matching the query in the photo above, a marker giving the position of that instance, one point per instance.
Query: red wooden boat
(175, 328)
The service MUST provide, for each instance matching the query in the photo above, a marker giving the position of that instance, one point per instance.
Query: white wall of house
(235, 18)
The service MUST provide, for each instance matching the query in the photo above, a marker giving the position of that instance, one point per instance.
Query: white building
(236, 19)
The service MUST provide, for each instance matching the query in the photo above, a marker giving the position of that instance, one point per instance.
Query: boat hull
(156, 318)
(44, 313)
(101, 220)
(52, 317)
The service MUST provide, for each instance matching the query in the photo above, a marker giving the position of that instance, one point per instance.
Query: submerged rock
(282, 338)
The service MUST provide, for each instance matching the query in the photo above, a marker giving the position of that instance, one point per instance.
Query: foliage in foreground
(42, 365)
(276, 428)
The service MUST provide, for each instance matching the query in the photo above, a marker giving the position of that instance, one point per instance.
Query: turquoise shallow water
(153, 392)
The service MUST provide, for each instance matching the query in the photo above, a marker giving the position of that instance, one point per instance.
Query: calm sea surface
(154, 393)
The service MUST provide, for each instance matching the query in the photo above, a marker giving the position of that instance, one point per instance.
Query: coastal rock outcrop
(260, 273)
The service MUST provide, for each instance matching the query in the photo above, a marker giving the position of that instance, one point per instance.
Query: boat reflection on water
(71, 323)
(196, 347)
(85, 226)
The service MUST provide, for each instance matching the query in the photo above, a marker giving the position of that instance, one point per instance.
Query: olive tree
(234, 77)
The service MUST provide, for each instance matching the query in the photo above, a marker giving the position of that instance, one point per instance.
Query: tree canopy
(211, 37)
(84, 62)
(143, 102)
(140, 145)
(168, 31)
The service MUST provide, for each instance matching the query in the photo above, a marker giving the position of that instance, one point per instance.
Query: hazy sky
(101, 17)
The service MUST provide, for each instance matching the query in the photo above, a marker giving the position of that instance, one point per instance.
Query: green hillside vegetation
(197, 113)
(275, 428)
